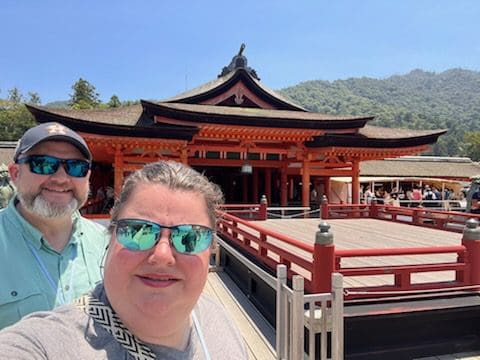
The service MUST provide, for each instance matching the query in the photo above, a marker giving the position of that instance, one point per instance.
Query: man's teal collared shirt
(35, 277)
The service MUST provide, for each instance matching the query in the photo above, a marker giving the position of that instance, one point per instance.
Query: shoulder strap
(104, 316)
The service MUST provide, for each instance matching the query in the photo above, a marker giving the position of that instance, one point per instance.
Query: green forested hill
(419, 100)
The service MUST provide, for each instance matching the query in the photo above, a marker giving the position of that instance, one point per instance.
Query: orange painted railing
(247, 211)
(443, 220)
(316, 262)
(269, 247)
(402, 274)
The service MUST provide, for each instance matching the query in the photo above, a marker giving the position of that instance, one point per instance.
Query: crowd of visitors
(415, 196)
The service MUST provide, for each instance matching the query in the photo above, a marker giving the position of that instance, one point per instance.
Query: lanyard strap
(196, 323)
(106, 317)
(59, 296)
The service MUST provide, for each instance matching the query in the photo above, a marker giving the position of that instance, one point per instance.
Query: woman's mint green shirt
(35, 277)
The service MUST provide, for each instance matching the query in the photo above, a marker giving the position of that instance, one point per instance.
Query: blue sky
(154, 49)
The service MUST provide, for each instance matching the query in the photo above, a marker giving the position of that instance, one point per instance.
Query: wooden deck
(348, 234)
(372, 233)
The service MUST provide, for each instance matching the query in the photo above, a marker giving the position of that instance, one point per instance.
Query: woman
(150, 303)
(368, 195)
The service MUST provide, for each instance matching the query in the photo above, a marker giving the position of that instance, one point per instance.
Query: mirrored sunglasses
(139, 235)
(48, 165)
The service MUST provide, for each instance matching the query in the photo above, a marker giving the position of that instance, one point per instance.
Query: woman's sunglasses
(48, 165)
(139, 235)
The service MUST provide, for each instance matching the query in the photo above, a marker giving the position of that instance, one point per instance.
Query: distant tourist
(429, 197)
(416, 196)
(7, 190)
(475, 204)
(368, 195)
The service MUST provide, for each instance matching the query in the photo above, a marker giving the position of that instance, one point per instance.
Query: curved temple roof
(182, 117)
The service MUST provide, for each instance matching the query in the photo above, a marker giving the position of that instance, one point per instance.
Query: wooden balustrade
(443, 220)
(317, 262)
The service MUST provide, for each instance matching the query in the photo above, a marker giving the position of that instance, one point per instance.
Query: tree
(114, 102)
(15, 119)
(84, 95)
(471, 145)
(33, 98)
(15, 96)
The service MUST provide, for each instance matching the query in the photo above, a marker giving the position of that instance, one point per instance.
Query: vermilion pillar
(355, 182)
(327, 187)
(268, 184)
(118, 172)
(184, 156)
(306, 183)
(283, 186)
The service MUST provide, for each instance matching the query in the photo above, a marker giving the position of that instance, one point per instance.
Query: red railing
(316, 262)
(442, 220)
(269, 247)
(247, 211)
(402, 274)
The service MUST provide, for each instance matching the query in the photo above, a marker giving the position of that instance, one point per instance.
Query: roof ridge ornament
(239, 61)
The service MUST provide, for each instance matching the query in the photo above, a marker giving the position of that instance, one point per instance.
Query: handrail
(324, 314)
(290, 313)
(287, 239)
(452, 221)
(344, 253)
(315, 262)
(257, 270)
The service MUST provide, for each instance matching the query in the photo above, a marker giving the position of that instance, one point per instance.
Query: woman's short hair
(175, 176)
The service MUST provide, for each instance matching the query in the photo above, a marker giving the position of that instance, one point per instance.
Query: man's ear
(13, 170)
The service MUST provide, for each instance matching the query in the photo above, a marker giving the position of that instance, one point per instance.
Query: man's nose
(60, 174)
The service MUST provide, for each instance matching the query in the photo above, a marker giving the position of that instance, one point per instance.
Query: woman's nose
(162, 251)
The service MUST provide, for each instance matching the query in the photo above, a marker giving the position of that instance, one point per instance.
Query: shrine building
(242, 135)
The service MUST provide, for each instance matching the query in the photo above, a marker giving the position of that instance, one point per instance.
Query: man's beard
(41, 207)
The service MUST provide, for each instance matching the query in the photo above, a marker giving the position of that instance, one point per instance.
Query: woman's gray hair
(175, 176)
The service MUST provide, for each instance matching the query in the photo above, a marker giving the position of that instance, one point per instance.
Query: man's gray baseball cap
(47, 132)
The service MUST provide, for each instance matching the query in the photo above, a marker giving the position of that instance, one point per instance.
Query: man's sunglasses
(139, 235)
(48, 165)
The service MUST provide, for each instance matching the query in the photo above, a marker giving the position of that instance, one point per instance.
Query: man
(6, 188)
(429, 195)
(49, 254)
(475, 204)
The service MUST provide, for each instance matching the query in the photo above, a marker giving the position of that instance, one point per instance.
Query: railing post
(262, 210)
(324, 208)
(323, 260)
(471, 241)
(282, 311)
(297, 335)
(216, 253)
(416, 216)
(234, 230)
(373, 209)
(262, 251)
(337, 316)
